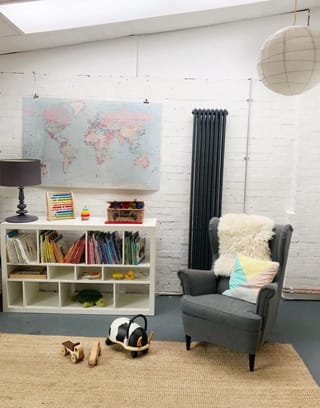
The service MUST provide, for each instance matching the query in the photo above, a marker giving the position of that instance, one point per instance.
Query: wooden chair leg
(251, 361)
(188, 342)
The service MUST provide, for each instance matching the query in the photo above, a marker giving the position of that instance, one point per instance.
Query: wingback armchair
(239, 325)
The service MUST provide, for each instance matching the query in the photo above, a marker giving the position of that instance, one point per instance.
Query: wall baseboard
(301, 293)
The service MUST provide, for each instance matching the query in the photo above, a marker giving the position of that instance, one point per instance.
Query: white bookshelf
(63, 280)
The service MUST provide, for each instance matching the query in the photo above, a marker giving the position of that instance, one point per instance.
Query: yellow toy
(130, 275)
(117, 275)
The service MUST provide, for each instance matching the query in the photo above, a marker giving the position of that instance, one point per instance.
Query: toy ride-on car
(130, 335)
(74, 349)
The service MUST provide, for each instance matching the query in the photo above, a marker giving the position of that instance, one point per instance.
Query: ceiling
(14, 40)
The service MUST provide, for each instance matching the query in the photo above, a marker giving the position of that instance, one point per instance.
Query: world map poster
(98, 144)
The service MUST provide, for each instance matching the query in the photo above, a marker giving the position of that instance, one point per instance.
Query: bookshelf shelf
(35, 278)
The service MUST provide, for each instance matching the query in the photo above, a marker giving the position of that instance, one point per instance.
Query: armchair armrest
(267, 307)
(196, 282)
(265, 296)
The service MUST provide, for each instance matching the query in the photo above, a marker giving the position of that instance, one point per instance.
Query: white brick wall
(200, 68)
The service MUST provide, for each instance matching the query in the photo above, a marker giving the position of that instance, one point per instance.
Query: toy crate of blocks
(125, 212)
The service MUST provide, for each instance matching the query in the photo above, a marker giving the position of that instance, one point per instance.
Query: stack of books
(104, 248)
(76, 253)
(20, 248)
(54, 249)
(134, 248)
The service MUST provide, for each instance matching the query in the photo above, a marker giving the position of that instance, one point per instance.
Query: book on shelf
(92, 255)
(11, 250)
(61, 244)
(117, 244)
(107, 245)
(102, 248)
(20, 248)
(113, 251)
(58, 245)
(27, 248)
(76, 252)
(94, 249)
(46, 251)
(140, 250)
(134, 248)
(53, 247)
(80, 250)
(57, 253)
(105, 257)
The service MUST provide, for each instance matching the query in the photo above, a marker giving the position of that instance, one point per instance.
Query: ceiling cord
(295, 12)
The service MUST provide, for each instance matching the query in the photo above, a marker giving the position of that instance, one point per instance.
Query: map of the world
(99, 144)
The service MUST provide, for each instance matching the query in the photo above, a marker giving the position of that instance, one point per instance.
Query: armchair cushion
(225, 312)
(249, 275)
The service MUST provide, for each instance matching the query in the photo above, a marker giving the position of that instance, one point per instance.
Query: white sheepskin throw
(244, 234)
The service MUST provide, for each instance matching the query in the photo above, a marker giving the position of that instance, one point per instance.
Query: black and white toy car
(130, 335)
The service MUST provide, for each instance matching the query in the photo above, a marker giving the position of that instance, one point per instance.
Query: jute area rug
(35, 374)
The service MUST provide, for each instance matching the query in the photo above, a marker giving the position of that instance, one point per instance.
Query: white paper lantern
(289, 61)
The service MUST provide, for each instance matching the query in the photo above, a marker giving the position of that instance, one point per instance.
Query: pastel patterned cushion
(248, 277)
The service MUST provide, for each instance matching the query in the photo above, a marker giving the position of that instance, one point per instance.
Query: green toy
(90, 297)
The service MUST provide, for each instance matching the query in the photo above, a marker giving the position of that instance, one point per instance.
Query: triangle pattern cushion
(249, 275)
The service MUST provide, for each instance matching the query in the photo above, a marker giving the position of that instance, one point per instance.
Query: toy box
(129, 212)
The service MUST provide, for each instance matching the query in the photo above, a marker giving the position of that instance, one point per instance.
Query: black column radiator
(206, 181)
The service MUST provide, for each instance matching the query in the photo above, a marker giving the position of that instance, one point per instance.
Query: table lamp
(20, 173)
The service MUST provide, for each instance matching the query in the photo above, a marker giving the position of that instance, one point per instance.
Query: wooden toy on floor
(74, 349)
(94, 354)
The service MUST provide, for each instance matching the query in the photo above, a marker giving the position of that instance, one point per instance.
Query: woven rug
(34, 374)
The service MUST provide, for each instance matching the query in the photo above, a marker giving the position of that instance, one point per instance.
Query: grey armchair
(212, 317)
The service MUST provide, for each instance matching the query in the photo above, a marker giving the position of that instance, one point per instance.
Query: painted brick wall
(212, 67)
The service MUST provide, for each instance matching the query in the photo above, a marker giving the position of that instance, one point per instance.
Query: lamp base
(22, 218)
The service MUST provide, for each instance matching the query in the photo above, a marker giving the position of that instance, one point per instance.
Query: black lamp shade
(20, 172)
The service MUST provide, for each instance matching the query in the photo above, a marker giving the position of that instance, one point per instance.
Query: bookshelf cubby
(45, 285)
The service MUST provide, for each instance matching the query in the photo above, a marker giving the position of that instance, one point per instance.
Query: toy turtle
(90, 297)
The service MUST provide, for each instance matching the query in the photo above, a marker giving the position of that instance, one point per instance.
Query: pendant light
(289, 60)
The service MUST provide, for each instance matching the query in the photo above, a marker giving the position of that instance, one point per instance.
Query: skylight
(50, 15)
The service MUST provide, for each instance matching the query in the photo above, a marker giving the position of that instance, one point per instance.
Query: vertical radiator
(206, 181)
